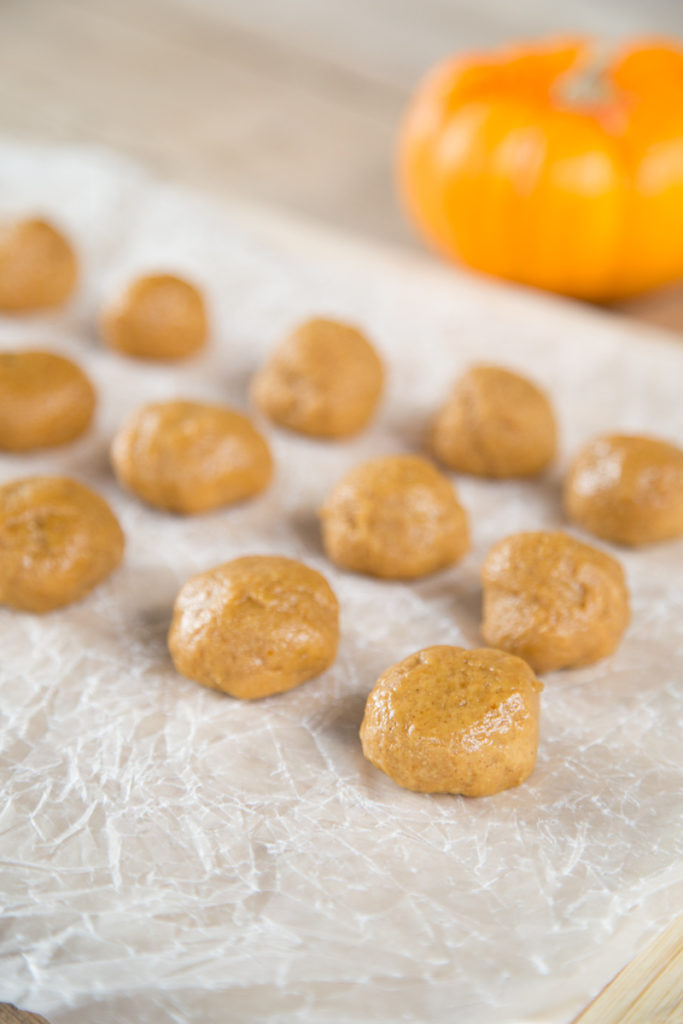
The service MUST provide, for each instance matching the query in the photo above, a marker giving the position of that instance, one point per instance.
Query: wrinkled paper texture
(170, 854)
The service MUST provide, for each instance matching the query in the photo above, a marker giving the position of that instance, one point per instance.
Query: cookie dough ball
(627, 489)
(255, 626)
(157, 317)
(45, 400)
(189, 457)
(448, 720)
(58, 540)
(552, 600)
(324, 380)
(396, 517)
(38, 267)
(495, 424)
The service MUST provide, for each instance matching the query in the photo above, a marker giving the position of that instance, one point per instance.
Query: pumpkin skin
(502, 172)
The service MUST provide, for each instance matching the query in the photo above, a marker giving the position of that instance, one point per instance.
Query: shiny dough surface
(495, 423)
(45, 400)
(627, 489)
(396, 517)
(450, 720)
(325, 379)
(191, 457)
(58, 540)
(553, 600)
(255, 626)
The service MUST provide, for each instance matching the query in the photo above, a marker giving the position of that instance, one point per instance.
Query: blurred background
(292, 103)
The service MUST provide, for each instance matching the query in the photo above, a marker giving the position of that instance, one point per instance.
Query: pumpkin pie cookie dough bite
(450, 720)
(45, 400)
(396, 517)
(38, 267)
(58, 540)
(495, 423)
(158, 316)
(255, 626)
(552, 600)
(324, 380)
(627, 489)
(191, 457)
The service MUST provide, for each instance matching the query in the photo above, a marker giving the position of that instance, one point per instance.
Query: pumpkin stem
(588, 86)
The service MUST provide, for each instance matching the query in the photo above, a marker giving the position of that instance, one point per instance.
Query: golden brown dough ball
(38, 267)
(255, 626)
(58, 540)
(449, 720)
(495, 424)
(158, 316)
(325, 380)
(552, 600)
(45, 400)
(627, 489)
(190, 457)
(396, 517)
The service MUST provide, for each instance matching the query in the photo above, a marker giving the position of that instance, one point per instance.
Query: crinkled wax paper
(170, 854)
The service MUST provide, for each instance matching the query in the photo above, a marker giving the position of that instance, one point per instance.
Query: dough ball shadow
(305, 525)
(411, 429)
(345, 719)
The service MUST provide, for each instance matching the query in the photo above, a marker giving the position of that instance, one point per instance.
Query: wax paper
(168, 853)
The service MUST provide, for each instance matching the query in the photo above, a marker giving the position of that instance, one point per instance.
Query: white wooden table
(294, 105)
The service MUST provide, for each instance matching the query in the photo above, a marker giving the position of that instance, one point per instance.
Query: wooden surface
(11, 1015)
(291, 104)
(295, 105)
(649, 990)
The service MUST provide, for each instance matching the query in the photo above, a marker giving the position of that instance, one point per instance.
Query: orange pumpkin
(503, 169)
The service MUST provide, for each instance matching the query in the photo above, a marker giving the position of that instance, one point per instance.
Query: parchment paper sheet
(171, 854)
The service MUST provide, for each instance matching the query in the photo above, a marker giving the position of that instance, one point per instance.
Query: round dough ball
(495, 424)
(45, 400)
(448, 720)
(627, 489)
(38, 267)
(158, 316)
(255, 626)
(396, 517)
(552, 600)
(190, 457)
(325, 380)
(58, 540)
